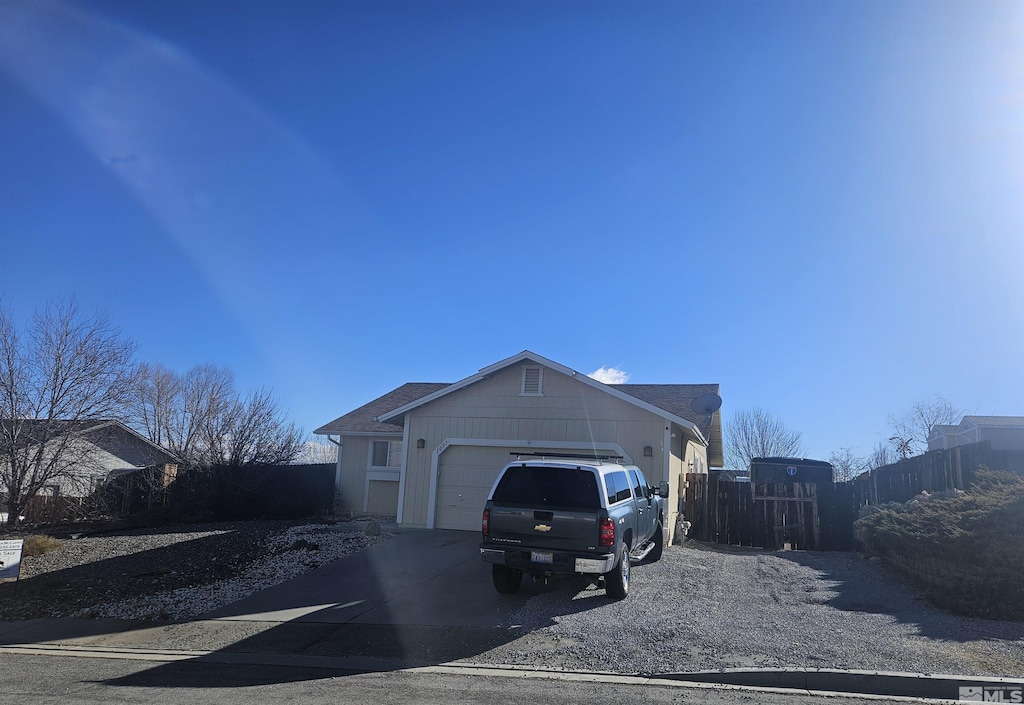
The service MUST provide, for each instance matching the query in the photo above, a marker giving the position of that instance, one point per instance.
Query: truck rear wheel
(616, 582)
(506, 580)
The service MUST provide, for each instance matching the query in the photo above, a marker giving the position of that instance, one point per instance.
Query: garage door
(465, 477)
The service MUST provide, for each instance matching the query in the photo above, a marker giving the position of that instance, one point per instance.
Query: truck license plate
(538, 557)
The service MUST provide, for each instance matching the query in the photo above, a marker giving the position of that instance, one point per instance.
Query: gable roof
(678, 399)
(128, 445)
(527, 356)
(941, 429)
(673, 401)
(110, 435)
(995, 420)
(364, 419)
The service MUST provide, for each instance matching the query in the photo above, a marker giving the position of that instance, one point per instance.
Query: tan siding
(354, 451)
(417, 487)
(1004, 438)
(569, 411)
(383, 497)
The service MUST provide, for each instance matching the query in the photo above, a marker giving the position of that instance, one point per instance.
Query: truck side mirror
(663, 489)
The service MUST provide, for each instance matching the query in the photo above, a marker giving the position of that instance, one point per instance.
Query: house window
(533, 379)
(386, 454)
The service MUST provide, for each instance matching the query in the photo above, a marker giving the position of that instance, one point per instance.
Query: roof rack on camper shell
(572, 456)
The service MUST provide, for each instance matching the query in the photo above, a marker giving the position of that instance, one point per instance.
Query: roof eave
(569, 372)
(472, 379)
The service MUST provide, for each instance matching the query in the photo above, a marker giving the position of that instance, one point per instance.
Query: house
(94, 452)
(428, 453)
(1004, 432)
(942, 437)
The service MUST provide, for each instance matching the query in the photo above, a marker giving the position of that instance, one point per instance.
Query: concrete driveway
(419, 577)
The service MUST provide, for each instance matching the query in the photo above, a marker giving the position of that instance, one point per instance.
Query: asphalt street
(418, 611)
(46, 680)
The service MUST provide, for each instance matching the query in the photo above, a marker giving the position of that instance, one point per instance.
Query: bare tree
(152, 402)
(880, 456)
(847, 464)
(911, 430)
(207, 391)
(252, 431)
(757, 433)
(318, 451)
(69, 372)
(200, 417)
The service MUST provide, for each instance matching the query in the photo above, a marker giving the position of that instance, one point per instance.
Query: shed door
(465, 477)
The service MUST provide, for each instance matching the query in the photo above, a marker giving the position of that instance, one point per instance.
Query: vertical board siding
(354, 450)
(568, 411)
(383, 497)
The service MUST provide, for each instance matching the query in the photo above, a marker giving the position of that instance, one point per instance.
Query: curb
(887, 683)
(833, 682)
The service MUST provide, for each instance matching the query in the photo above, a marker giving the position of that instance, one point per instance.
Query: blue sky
(818, 205)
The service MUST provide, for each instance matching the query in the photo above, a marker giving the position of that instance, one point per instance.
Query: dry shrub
(980, 533)
(38, 544)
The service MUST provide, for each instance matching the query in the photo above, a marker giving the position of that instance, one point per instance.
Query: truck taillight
(607, 533)
(485, 524)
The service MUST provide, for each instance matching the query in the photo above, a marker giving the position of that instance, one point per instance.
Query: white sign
(10, 558)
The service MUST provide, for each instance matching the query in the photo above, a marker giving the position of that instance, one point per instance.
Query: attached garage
(466, 473)
(453, 439)
(465, 476)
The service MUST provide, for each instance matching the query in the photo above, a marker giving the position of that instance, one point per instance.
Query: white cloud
(609, 375)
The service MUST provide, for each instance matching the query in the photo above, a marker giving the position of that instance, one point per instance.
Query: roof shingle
(364, 419)
(996, 420)
(673, 398)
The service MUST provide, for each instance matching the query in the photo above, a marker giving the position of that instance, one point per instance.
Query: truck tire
(659, 544)
(506, 580)
(616, 582)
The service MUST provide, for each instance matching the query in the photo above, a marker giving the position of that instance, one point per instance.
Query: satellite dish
(706, 404)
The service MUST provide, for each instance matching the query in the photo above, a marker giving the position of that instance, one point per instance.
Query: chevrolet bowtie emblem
(542, 527)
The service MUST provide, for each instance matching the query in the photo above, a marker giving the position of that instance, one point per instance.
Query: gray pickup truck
(573, 516)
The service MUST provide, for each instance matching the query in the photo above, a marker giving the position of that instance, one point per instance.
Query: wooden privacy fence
(936, 471)
(769, 515)
(820, 516)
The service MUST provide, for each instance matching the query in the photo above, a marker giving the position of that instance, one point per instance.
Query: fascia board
(568, 372)
(461, 384)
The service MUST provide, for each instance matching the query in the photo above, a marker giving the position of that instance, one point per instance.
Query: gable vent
(532, 381)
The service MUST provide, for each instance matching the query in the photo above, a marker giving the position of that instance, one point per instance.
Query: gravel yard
(700, 607)
(704, 608)
(176, 572)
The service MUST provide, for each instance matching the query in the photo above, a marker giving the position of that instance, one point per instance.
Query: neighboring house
(428, 453)
(97, 452)
(1004, 433)
(942, 437)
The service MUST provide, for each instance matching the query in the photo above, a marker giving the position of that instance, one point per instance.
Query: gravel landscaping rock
(700, 607)
(174, 572)
(704, 607)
